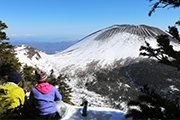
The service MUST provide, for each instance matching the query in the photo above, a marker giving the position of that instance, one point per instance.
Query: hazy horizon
(67, 20)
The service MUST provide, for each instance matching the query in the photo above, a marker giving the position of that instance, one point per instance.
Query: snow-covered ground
(95, 113)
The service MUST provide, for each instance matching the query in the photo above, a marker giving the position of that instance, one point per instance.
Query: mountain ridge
(48, 47)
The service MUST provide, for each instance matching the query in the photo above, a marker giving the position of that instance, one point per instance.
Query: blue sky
(64, 20)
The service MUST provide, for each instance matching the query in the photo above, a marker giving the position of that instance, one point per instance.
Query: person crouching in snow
(43, 97)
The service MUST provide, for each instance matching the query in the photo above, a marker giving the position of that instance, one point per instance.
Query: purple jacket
(43, 97)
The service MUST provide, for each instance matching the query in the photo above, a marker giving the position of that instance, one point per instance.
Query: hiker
(43, 97)
(10, 93)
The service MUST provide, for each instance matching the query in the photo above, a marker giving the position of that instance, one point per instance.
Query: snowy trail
(95, 113)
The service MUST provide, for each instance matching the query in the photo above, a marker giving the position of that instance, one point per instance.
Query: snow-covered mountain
(101, 48)
(105, 65)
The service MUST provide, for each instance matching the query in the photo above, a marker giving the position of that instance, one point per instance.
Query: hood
(7, 89)
(44, 87)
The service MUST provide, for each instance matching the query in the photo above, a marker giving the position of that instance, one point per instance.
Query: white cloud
(28, 35)
(15, 35)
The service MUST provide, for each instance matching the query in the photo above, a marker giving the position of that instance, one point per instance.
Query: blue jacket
(43, 97)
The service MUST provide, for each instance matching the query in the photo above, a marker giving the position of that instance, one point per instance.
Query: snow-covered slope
(95, 113)
(101, 49)
(30, 55)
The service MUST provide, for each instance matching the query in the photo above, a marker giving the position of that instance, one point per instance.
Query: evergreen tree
(28, 77)
(163, 4)
(52, 79)
(63, 88)
(164, 53)
(153, 106)
(8, 61)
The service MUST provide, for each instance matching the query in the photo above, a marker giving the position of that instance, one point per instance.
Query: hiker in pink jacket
(43, 97)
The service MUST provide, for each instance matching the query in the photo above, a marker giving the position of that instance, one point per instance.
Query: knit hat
(14, 77)
(40, 75)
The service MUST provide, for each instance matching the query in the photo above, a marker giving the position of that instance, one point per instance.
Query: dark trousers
(54, 116)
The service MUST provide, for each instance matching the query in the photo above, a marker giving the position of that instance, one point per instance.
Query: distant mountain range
(105, 66)
(48, 47)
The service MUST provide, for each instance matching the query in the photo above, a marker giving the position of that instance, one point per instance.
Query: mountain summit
(140, 30)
